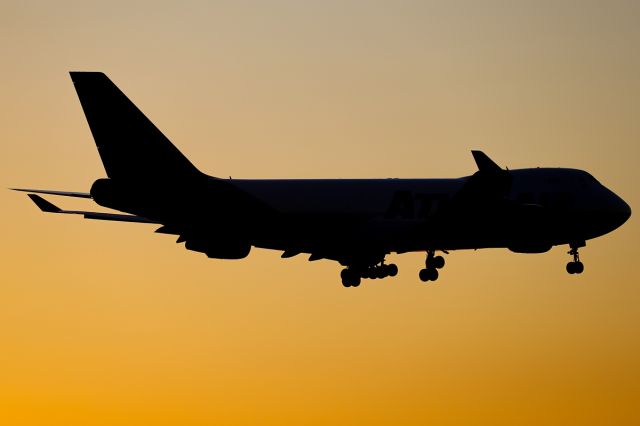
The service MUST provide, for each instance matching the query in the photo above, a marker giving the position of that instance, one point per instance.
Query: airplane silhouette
(355, 222)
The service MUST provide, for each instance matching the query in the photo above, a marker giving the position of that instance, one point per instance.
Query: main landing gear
(575, 267)
(352, 276)
(433, 263)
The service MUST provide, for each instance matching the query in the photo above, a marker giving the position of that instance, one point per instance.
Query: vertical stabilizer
(130, 145)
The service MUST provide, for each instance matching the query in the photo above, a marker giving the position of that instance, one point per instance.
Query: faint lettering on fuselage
(410, 205)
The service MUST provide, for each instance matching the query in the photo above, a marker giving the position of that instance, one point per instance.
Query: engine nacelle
(229, 249)
(530, 248)
(110, 194)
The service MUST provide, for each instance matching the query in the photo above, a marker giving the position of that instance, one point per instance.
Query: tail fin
(130, 146)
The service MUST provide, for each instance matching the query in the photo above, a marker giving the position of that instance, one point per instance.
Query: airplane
(356, 222)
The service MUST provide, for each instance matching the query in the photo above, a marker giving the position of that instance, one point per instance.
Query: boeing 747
(355, 222)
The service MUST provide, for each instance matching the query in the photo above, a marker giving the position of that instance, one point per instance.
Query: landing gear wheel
(571, 268)
(432, 274)
(429, 274)
(579, 267)
(353, 274)
(392, 270)
(350, 278)
(345, 276)
(432, 264)
(575, 267)
(437, 262)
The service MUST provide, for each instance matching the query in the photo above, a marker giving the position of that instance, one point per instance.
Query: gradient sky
(105, 323)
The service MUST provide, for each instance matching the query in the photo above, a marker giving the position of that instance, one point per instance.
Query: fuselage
(543, 207)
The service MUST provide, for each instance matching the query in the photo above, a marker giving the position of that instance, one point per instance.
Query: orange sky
(107, 323)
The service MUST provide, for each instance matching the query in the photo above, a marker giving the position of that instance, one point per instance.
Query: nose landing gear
(575, 267)
(433, 263)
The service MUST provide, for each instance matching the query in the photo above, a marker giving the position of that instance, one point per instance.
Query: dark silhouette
(354, 222)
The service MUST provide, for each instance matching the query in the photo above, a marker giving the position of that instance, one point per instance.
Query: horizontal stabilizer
(50, 192)
(44, 205)
(48, 207)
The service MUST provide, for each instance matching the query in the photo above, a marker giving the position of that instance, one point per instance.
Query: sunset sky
(110, 324)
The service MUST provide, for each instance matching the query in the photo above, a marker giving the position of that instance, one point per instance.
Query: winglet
(485, 164)
(43, 204)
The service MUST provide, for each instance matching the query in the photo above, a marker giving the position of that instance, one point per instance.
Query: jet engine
(220, 249)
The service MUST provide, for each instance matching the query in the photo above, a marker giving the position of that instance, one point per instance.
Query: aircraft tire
(392, 270)
(428, 274)
(423, 275)
(571, 269)
(438, 262)
(346, 277)
(350, 278)
(432, 274)
(579, 267)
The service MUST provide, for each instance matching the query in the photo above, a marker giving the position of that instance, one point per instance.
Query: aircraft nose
(622, 211)
(626, 211)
